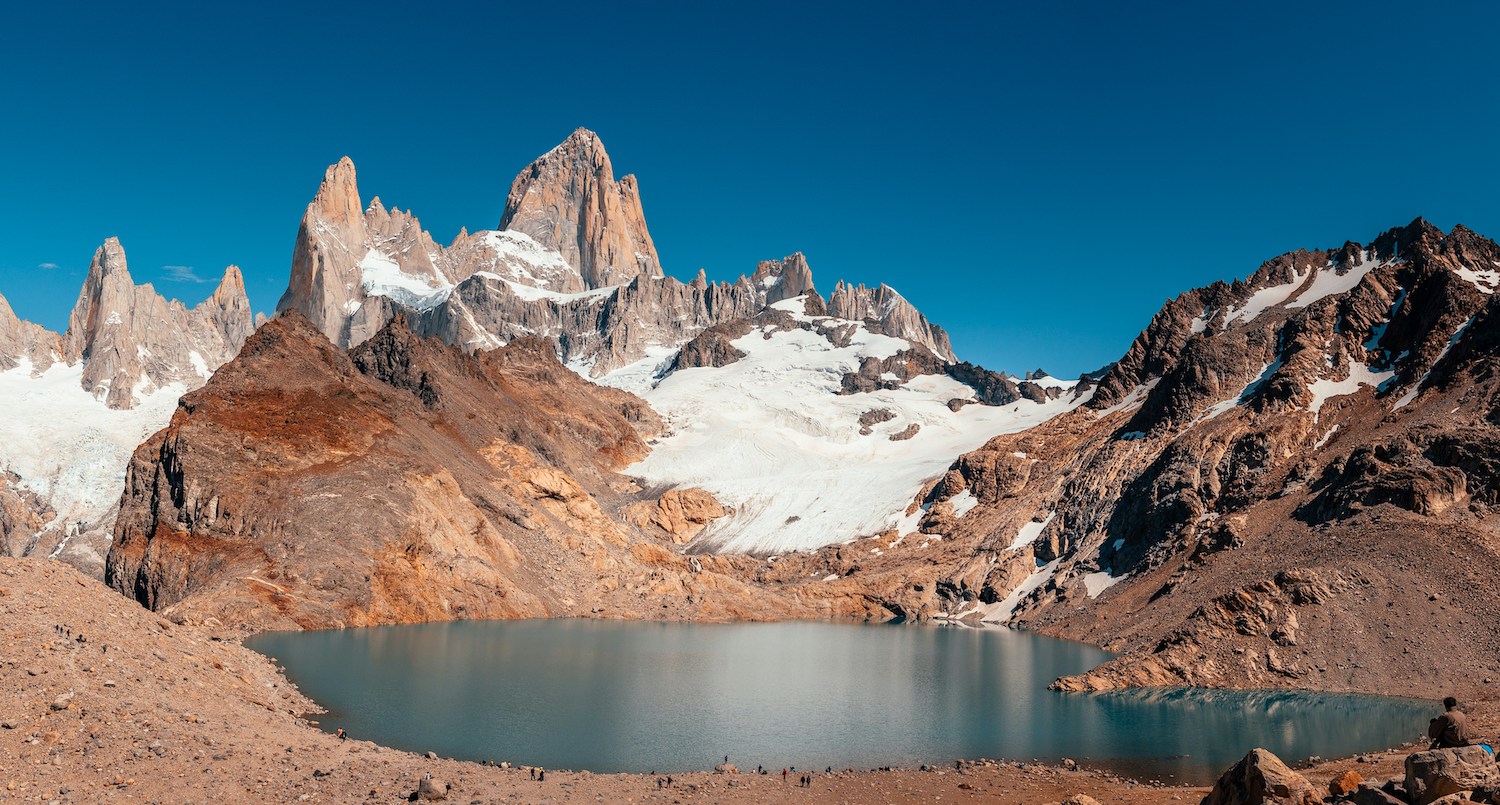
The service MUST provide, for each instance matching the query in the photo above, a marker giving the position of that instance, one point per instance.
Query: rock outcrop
(888, 312)
(24, 341)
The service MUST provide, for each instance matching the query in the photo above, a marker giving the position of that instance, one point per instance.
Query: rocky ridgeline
(572, 260)
(1278, 475)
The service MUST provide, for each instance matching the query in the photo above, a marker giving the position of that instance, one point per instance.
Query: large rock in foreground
(1436, 773)
(1261, 779)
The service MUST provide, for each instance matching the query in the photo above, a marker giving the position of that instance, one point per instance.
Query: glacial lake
(612, 696)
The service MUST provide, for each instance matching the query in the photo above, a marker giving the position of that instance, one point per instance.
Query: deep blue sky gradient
(1037, 178)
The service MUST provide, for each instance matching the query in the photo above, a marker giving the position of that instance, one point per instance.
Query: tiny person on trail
(1451, 729)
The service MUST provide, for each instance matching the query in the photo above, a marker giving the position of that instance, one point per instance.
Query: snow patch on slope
(521, 259)
(1486, 280)
(1264, 299)
(1359, 375)
(1329, 282)
(382, 276)
(1096, 583)
(770, 436)
(1003, 610)
(68, 447)
(963, 503)
(1030, 531)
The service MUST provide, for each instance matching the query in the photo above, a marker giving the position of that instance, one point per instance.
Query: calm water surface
(610, 696)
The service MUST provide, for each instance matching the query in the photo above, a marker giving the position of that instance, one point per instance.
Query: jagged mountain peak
(786, 278)
(337, 199)
(568, 200)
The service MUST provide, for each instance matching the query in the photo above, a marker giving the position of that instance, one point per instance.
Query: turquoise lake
(613, 696)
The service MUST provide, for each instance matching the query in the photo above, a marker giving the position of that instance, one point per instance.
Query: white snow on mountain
(770, 436)
(382, 276)
(1329, 282)
(1359, 375)
(1263, 299)
(1487, 280)
(1028, 533)
(519, 258)
(532, 293)
(68, 447)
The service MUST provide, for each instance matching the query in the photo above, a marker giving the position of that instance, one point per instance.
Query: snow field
(770, 437)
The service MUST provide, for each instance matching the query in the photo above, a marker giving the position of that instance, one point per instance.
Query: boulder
(1261, 779)
(1345, 784)
(726, 768)
(1366, 794)
(1437, 773)
(430, 790)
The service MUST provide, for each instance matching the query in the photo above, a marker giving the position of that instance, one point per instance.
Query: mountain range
(1274, 481)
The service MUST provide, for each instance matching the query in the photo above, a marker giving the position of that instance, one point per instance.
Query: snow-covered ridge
(770, 436)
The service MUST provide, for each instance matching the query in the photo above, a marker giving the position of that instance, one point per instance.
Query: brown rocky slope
(405, 480)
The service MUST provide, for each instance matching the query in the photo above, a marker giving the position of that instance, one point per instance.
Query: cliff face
(407, 481)
(1278, 476)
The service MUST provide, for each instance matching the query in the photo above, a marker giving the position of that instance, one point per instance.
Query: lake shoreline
(145, 709)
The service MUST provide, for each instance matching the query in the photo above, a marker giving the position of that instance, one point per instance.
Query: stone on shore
(1261, 779)
(430, 790)
(1436, 773)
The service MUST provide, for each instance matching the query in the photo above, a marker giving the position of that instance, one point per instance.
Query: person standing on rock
(1451, 729)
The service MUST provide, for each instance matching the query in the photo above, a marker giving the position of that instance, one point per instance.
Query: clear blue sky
(1036, 177)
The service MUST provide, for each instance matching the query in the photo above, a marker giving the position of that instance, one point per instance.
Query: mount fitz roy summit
(1276, 477)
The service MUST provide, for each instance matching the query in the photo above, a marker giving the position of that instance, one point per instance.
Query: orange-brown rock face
(406, 481)
(681, 513)
(568, 200)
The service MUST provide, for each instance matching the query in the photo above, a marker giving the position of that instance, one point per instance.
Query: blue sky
(1037, 178)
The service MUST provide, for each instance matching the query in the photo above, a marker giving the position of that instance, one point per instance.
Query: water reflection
(610, 696)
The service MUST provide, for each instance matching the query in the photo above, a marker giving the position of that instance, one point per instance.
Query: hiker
(533, 772)
(343, 736)
(783, 774)
(541, 775)
(1450, 729)
(726, 758)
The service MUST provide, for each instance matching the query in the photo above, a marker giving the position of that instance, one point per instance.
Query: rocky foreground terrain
(141, 709)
